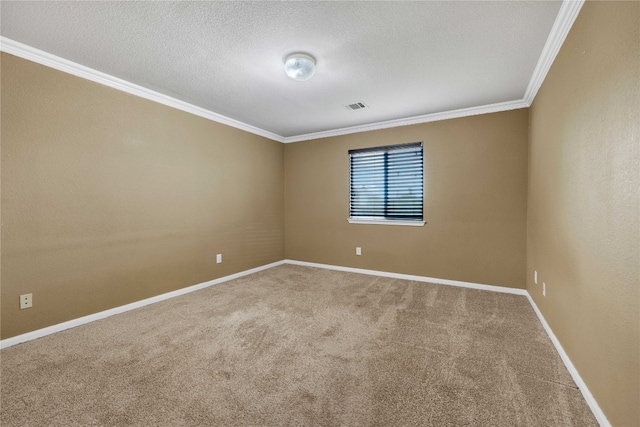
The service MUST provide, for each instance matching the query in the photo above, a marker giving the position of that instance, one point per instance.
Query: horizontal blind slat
(387, 182)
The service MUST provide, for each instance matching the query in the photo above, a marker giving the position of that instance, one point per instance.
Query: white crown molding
(425, 118)
(41, 57)
(566, 16)
(564, 21)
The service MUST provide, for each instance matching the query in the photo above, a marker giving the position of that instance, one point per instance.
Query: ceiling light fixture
(300, 66)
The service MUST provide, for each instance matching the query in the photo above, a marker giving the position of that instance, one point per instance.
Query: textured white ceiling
(402, 59)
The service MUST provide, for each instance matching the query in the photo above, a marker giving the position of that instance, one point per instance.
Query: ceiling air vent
(355, 106)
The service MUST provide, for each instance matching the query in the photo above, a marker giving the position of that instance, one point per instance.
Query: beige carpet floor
(299, 346)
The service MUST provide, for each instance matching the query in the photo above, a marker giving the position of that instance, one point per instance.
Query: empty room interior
(320, 213)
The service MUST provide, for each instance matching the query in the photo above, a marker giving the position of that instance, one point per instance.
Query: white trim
(411, 277)
(588, 397)
(564, 21)
(593, 404)
(425, 118)
(566, 16)
(386, 222)
(137, 304)
(128, 307)
(41, 57)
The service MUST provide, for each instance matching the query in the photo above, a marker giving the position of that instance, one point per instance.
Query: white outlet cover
(26, 301)
(358, 251)
(544, 289)
(535, 277)
(219, 258)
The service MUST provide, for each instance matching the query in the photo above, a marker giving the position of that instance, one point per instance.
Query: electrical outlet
(219, 258)
(26, 301)
(358, 250)
(535, 277)
(544, 289)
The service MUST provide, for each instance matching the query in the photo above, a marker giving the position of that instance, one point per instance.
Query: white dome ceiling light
(300, 66)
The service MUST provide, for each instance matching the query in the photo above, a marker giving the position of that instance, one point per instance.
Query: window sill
(386, 222)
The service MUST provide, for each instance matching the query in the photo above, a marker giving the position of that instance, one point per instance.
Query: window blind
(387, 183)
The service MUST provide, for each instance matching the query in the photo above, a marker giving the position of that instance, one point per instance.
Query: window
(387, 185)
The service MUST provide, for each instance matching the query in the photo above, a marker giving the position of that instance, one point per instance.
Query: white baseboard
(411, 277)
(591, 401)
(123, 308)
(132, 306)
(595, 408)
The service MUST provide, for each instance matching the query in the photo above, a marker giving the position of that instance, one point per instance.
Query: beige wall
(584, 190)
(108, 198)
(475, 202)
